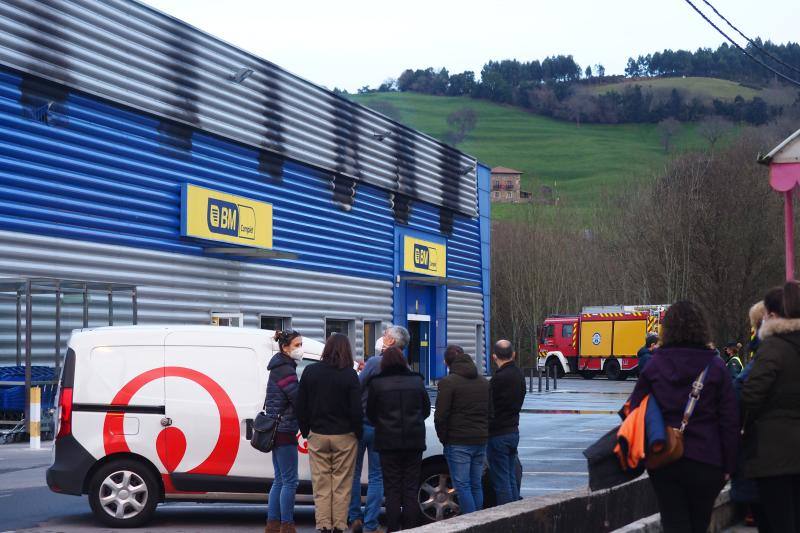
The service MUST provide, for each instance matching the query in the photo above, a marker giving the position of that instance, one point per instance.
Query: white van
(148, 414)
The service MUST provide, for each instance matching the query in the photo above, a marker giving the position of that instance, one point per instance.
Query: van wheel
(123, 493)
(437, 497)
(613, 370)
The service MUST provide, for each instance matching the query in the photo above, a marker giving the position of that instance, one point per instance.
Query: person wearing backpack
(687, 488)
(280, 404)
(771, 401)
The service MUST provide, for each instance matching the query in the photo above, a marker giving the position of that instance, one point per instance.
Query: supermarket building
(139, 152)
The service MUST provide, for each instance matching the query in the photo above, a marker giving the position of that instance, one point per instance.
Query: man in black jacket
(508, 394)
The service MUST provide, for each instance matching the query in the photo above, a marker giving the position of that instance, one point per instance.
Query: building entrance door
(419, 328)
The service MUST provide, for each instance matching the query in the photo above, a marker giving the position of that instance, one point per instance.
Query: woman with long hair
(330, 417)
(397, 405)
(771, 401)
(282, 390)
(687, 488)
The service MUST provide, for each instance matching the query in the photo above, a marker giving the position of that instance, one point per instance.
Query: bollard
(530, 379)
(555, 378)
(36, 418)
(547, 378)
(540, 379)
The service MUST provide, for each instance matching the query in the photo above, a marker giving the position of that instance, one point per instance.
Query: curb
(570, 411)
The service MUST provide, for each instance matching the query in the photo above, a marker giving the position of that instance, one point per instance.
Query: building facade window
(509, 195)
(340, 326)
(233, 320)
(276, 323)
(372, 330)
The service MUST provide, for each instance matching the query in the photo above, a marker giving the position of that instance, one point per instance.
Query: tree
(668, 129)
(588, 72)
(601, 71)
(632, 69)
(462, 121)
(713, 129)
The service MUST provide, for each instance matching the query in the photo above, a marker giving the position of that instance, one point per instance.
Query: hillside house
(506, 186)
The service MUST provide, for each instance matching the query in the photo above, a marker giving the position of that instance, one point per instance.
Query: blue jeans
(284, 486)
(375, 483)
(466, 469)
(501, 453)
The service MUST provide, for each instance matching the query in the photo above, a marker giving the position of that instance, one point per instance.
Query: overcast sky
(351, 43)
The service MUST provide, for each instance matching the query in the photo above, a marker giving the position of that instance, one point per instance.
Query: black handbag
(605, 471)
(265, 430)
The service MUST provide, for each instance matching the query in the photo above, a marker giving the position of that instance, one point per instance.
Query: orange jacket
(631, 439)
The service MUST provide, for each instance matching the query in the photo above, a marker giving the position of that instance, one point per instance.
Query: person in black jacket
(508, 394)
(397, 406)
(330, 417)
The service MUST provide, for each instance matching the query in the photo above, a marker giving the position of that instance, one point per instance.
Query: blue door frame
(422, 297)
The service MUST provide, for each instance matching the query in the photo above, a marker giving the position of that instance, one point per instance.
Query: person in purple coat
(686, 489)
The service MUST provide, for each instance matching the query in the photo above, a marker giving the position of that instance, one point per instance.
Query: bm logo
(425, 257)
(231, 219)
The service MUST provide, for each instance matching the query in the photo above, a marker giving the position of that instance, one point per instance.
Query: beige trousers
(332, 459)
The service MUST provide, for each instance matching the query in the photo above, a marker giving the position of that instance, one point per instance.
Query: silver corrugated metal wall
(181, 289)
(464, 316)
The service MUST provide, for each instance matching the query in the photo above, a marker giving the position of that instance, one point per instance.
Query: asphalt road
(552, 437)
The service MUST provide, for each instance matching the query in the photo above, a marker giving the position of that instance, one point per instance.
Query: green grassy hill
(581, 163)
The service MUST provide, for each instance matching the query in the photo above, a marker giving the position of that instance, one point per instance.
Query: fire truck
(600, 339)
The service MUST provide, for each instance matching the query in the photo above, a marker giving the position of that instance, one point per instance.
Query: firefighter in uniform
(732, 361)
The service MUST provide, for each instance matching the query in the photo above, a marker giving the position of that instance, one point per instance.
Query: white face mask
(379, 345)
(296, 354)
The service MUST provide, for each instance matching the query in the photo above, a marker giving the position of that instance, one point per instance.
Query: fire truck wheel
(553, 366)
(613, 370)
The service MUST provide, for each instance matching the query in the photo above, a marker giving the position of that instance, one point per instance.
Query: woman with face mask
(281, 402)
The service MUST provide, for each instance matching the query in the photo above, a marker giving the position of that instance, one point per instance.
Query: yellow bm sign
(424, 257)
(218, 216)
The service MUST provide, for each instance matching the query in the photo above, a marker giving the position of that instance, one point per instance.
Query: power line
(745, 52)
(751, 41)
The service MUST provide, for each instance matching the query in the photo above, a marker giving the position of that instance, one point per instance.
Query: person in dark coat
(462, 425)
(645, 353)
(743, 490)
(397, 406)
(508, 394)
(281, 402)
(331, 418)
(686, 489)
(771, 399)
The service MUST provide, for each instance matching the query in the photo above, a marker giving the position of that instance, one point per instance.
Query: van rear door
(214, 385)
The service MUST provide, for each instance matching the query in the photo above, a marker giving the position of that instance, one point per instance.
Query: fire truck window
(566, 331)
(549, 331)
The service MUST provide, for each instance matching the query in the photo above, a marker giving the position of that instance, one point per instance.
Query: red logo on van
(171, 441)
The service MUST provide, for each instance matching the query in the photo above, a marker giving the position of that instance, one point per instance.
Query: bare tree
(713, 129)
(668, 128)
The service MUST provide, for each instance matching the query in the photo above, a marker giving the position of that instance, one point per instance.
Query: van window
(566, 331)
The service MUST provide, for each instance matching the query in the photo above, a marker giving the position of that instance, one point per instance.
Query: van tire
(135, 482)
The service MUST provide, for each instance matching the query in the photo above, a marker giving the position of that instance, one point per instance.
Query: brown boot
(273, 526)
(287, 527)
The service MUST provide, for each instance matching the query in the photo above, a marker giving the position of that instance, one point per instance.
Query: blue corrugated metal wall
(104, 174)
